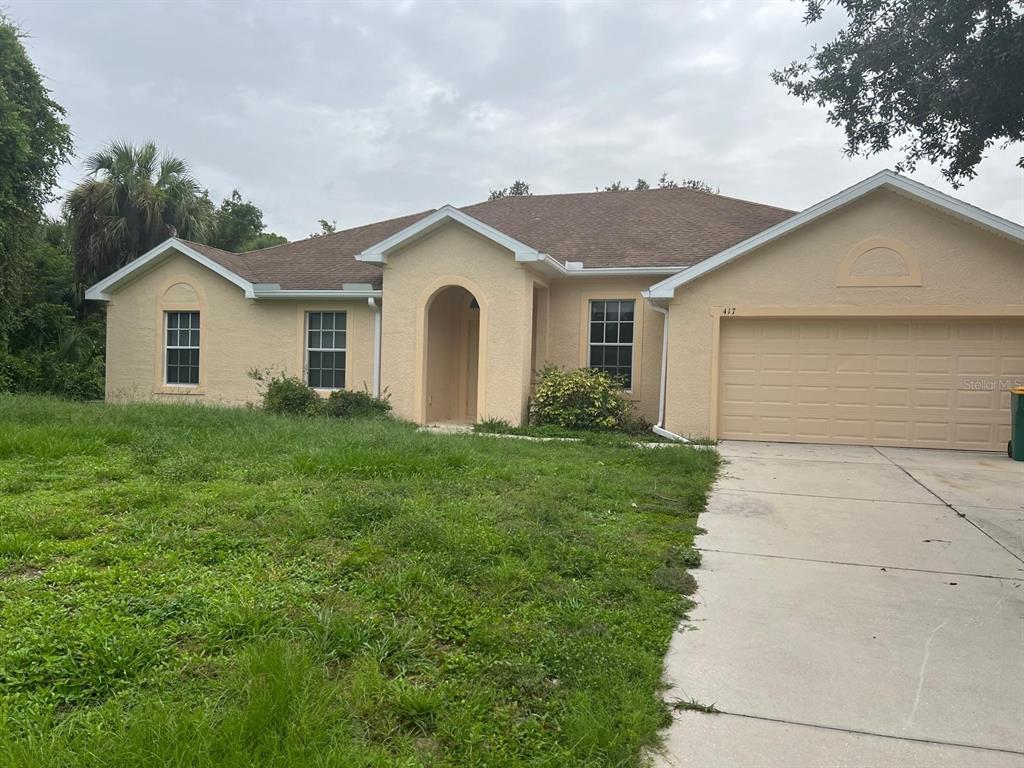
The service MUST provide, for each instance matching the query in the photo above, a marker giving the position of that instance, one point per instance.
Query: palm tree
(131, 200)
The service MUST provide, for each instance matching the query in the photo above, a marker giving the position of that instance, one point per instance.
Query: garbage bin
(1015, 448)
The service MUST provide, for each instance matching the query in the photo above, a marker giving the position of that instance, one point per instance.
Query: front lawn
(186, 586)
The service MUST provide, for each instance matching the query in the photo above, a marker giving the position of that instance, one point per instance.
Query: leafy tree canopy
(518, 188)
(132, 200)
(34, 141)
(263, 240)
(944, 79)
(235, 223)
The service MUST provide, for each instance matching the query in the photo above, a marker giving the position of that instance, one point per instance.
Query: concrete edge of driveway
(945, 628)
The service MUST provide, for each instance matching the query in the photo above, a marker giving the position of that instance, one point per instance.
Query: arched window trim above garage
(848, 277)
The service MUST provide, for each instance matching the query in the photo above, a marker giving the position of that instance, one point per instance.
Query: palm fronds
(132, 199)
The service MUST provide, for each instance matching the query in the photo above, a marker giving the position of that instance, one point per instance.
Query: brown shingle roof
(662, 227)
(232, 261)
(657, 227)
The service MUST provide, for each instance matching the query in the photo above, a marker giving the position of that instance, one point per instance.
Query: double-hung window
(181, 354)
(325, 350)
(611, 338)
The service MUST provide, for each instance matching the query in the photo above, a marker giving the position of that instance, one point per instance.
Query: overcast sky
(360, 112)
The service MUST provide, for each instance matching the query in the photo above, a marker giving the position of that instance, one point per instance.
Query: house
(888, 314)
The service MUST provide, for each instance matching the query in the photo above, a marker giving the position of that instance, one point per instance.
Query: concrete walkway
(856, 607)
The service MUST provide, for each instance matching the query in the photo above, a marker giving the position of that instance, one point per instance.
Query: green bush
(581, 399)
(287, 395)
(10, 372)
(355, 404)
(50, 352)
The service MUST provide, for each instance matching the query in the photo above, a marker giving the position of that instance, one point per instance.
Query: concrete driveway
(856, 607)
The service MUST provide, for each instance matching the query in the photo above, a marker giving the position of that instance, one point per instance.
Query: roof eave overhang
(665, 290)
(265, 291)
(103, 290)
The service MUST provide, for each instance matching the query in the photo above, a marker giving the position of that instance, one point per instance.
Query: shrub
(10, 372)
(286, 394)
(52, 353)
(581, 399)
(355, 404)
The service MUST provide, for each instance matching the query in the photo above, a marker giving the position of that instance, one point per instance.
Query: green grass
(592, 437)
(187, 586)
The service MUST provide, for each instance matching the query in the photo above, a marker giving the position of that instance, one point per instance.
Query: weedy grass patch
(189, 586)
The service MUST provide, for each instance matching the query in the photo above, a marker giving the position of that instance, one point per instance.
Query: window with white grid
(611, 338)
(181, 351)
(325, 350)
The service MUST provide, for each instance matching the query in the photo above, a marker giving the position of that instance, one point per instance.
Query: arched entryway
(453, 356)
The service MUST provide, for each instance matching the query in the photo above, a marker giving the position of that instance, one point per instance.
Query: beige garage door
(926, 383)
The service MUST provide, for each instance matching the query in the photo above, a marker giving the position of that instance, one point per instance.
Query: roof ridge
(621, 191)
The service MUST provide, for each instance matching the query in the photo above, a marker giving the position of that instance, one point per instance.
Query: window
(325, 350)
(611, 338)
(182, 352)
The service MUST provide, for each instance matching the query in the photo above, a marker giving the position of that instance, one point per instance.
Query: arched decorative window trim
(846, 279)
(163, 305)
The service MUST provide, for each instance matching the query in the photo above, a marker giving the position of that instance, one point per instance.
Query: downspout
(659, 428)
(376, 344)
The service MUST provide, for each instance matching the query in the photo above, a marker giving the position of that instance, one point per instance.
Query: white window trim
(168, 347)
(305, 344)
(630, 344)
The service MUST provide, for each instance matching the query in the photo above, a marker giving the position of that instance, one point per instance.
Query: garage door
(926, 383)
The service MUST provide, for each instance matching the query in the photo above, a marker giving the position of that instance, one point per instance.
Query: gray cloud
(358, 112)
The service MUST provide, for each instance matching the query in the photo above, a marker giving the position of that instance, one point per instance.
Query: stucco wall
(454, 255)
(237, 334)
(961, 266)
(568, 331)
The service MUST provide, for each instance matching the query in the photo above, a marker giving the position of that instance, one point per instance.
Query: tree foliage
(132, 200)
(34, 141)
(664, 182)
(235, 223)
(944, 79)
(48, 349)
(518, 188)
(263, 240)
(326, 228)
(618, 186)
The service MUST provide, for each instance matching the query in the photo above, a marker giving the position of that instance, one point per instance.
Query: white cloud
(359, 112)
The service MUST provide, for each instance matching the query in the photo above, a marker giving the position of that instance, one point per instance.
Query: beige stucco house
(888, 314)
